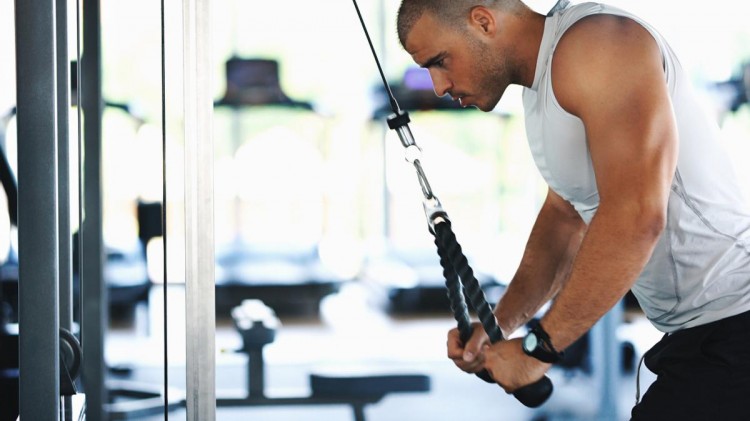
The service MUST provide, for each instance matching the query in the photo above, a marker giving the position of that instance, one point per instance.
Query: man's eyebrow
(433, 60)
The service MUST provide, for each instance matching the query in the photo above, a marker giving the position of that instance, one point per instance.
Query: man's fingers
(455, 346)
(473, 366)
(456, 352)
(467, 352)
(476, 342)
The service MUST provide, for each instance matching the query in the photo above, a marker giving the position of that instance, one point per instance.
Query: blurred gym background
(318, 217)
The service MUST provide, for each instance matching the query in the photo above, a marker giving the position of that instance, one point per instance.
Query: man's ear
(482, 19)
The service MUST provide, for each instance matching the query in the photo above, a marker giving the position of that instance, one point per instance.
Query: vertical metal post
(39, 385)
(63, 167)
(94, 292)
(63, 183)
(607, 361)
(382, 41)
(199, 213)
(386, 192)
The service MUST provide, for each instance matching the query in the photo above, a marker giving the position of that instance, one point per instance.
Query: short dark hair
(451, 12)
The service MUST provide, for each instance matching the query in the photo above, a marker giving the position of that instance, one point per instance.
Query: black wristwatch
(537, 344)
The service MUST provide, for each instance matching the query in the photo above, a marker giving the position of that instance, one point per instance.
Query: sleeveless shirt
(699, 271)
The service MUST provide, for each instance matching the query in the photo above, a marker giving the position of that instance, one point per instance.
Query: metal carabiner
(412, 155)
(423, 183)
(434, 212)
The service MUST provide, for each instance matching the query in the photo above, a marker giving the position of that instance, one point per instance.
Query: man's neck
(530, 42)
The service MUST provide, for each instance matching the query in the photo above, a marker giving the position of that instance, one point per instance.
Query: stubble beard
(494, 76)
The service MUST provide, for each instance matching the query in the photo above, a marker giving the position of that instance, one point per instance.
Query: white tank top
(699, 271)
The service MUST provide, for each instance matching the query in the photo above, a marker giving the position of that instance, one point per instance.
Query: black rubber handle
(535, 394)
(532, 395)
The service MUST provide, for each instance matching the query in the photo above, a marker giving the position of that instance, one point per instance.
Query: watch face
(530, 342)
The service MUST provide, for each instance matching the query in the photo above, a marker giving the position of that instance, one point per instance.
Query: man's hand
(468, 357)
(510, 367)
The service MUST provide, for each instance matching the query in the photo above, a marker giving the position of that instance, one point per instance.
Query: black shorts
(703, 374)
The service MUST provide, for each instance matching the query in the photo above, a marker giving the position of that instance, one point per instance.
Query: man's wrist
(538, 344)
(502, 323)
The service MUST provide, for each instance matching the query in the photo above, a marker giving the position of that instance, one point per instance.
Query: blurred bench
(257, 324)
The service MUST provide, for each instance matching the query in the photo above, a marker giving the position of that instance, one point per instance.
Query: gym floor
(352, 335)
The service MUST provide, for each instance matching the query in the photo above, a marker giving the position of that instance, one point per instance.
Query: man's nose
(440, 82)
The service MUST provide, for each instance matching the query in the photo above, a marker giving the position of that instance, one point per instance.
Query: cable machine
(45, 303)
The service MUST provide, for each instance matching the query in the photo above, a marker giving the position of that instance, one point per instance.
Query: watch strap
(544, 351)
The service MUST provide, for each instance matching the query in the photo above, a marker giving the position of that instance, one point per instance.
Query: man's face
(460, 63)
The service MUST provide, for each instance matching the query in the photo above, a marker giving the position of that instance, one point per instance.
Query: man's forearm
(545, 265)
(610, 259)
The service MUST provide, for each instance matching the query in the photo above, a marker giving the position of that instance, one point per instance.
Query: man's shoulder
(597, 36)
(602, 27)
(596, 51)
(595, 20)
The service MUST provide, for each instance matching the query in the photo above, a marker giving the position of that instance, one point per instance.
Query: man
(641, 195)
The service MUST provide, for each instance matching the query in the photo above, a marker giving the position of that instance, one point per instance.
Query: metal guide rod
(199, 215)
(63, 167)
(165, 257)
(39, 350)
(94, 294)
(65, 257)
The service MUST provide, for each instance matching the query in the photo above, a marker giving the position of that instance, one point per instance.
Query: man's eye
(440, 63)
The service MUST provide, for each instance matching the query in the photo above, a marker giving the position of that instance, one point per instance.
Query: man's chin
(487, 106)
(470, 104)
